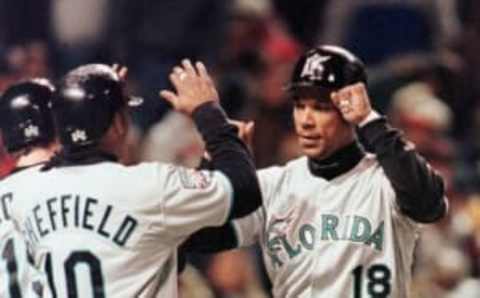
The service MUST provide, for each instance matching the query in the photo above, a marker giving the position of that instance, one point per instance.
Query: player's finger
(250, 127)
(180, 73)
(178, 70)
(187, 65)
(122, 72)
(202, 70)
(239, 125)
(175, 79)
(358, 86)
(235, 122)
(357, 89)
(342, 95)
(169, 96)
(335, 98)
(115, 67)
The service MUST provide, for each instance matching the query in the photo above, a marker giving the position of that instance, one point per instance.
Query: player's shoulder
(369, 161)
(141, 171)
(20, 174)
(292, 165)
(280, 174)
(142, 167)
(369, 168)
(152, 172)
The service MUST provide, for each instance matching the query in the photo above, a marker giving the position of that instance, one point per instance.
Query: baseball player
(338, 222)
(28, 134)
(102, 229)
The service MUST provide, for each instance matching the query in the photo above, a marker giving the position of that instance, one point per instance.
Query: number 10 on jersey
(77, 258)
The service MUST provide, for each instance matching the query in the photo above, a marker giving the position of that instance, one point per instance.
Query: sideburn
(116, 134)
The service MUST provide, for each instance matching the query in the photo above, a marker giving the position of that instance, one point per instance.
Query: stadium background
(424, 72)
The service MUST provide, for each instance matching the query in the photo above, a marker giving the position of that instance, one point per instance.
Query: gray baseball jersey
(18, 277)
(107, 230)
(340, 238)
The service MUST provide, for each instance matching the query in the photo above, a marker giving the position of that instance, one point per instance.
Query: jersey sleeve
(420, 191)
(194, 199)
(249, 229)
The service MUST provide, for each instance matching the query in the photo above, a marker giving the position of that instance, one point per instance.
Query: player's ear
(116, 133)
(120, 124)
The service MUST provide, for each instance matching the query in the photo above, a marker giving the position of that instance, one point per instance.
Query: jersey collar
(339, 163)
(87, 157)
(21, 169)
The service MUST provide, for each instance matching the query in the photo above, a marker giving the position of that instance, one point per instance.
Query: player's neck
(34, 156)
(338, 163)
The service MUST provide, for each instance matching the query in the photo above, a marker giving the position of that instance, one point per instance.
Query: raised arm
(197, 97)
(419, 189)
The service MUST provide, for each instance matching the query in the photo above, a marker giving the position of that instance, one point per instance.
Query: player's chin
(313, 151)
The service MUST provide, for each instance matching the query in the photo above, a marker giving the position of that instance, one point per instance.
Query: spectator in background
(424, 118)
(7, 163)
(259, 54)
(303, 18)
(242, 58)
(23, 61)
(447, 251)
(78, 32)
(24, 31)
(22, 21)
(179, 139)
(378, 30)
(151, 36)
(468, 47)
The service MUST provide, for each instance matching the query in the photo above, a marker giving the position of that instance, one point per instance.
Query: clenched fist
(353, 102)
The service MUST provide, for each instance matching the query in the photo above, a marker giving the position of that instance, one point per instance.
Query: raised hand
(193, 86)
(353, 102)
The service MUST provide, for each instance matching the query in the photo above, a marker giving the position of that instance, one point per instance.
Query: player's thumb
(250, 128)
(169, 96)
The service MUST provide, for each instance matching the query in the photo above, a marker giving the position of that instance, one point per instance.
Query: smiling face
(320, 128)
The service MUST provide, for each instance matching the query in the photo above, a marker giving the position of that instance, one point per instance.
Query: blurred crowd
(424, 73)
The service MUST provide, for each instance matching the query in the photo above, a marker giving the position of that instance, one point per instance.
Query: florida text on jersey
(321, 240)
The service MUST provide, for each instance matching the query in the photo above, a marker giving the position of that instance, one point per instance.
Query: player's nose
(306, 118)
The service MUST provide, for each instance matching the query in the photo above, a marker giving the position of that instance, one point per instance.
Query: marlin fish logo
(313, 67)
(281, 224)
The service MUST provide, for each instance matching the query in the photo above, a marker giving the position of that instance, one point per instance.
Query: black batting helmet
(25, 114)
(88, 97)
(325, 69)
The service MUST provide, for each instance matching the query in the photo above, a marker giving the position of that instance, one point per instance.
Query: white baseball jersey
(107, 230)
(18, 278)
(343, 238)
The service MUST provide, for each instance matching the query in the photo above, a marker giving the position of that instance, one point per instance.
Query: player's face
(320, 128)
